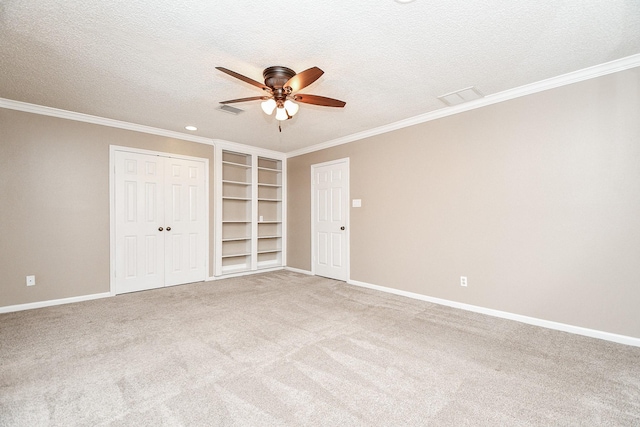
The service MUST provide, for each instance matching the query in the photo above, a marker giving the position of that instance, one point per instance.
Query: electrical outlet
(463, 280)
(31, 280)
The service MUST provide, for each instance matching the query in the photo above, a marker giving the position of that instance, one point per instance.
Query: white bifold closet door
(160, 221)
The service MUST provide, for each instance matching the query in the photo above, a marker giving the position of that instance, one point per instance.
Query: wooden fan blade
(243, 78)
(304, 79)
(319, 100)
(253, 98)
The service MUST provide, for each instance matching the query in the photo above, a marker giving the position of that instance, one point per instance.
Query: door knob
(168, 228)
(160, 229)
(341, 228)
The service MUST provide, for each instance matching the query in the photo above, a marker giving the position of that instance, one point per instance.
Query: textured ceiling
(151, 62)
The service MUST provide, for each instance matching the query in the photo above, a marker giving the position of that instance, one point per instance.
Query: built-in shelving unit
(236, 212)
(269, 249)
(250, 221)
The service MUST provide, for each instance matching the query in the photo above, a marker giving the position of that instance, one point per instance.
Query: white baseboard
(297, 270)
(49, 303)
(621, 339)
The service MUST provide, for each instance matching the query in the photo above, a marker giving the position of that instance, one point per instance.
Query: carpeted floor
(283, 348)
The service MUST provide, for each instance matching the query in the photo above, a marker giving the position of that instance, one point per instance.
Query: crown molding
(551, 83)
(87, 118)
(554, 82)
(96, 120)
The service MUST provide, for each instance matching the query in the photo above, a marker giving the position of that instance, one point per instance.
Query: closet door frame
(112, 214)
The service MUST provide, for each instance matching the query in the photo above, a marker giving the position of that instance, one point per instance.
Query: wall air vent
(231, 110)
(460, 96)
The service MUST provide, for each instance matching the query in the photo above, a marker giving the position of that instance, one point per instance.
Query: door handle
(160, 229)
(168, 228)
(342, 228)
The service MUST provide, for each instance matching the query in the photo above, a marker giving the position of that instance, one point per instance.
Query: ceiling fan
(281, 85)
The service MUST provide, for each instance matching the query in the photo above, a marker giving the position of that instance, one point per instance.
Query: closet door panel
(186, 222)
(139, 215)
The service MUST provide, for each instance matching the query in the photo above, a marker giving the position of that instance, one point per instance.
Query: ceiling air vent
(460, 96)
(231, 110)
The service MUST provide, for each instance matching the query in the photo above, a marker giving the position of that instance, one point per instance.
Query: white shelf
(224, 162)
(269, 200)
(268, 169)
(262, 184)
(269, 251)
(269, 237)
(246, 199)
(224, 181)
(236, 239)
(236, 255)
(236, 222)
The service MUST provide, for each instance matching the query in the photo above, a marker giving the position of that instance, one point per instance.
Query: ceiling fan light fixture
(268, 106)
(291, 107)
(281, 83)
(281, 114)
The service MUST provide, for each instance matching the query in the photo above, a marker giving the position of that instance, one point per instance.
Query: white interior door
(139, 211)
(185, 221)
(160, 221)
(330, 237)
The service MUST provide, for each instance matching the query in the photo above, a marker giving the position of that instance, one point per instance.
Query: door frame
(347, 214)
(112, 198)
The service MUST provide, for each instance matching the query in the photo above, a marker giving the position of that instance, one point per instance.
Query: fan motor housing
(275, 77)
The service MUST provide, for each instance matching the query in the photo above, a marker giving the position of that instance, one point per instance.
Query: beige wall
(536, 200)
(54, 203)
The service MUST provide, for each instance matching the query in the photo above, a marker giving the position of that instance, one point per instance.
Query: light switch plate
(356, 203)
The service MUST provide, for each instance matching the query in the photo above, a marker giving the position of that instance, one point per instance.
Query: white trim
(554, 82)
(87, 118)
(112, 198)
(298, 270)
(578, 330)
(157, 153)
(347, 212)
(112, 220)
(49, 303)
(96, 120)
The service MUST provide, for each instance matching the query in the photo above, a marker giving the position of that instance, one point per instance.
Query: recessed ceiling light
(404, 1)
(190, 127)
